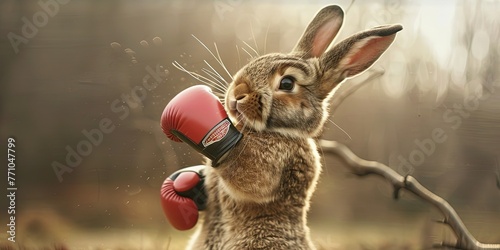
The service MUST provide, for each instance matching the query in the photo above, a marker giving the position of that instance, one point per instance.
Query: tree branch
(361, 167)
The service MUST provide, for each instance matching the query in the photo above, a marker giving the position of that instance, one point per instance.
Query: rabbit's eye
(287, 83)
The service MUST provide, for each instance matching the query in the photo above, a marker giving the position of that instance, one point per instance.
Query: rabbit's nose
(240, 97)
(241, 91)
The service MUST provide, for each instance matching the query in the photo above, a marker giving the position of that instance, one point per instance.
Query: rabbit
(259, 193)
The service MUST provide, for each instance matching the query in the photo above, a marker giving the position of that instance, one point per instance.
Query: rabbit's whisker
(198, 77)
(216, 59)
(350, 5)
(240, 118)
(252, 57)
(222, 63)
(221, 97)
(244, 146)
(234, 160)
(243, 127)
(254, 40)
(265, 38)
(239, 59)
(214, 77)
(215, 72)
(330, 120)
(240, 115)
(248, 45)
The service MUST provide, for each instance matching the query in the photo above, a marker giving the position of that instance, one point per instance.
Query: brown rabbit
(258, 195)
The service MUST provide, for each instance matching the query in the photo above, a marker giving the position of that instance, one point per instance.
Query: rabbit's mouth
(245, 106)
(235, 112)
(244, 113)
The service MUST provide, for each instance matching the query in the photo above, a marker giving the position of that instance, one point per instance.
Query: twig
(361, 167)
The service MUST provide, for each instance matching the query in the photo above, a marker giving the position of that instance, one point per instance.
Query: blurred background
(84, 84)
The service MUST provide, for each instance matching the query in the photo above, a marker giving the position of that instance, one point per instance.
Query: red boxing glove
(197, 117)
(183, 195)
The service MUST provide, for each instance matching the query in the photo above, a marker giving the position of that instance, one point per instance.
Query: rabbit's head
(288, 93)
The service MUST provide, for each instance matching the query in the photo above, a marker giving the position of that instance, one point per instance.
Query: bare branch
(361, 167)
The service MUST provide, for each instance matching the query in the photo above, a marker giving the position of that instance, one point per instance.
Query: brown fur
(258, 195)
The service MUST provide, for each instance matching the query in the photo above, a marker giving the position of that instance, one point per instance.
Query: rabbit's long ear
(355, 54)
(320, 32)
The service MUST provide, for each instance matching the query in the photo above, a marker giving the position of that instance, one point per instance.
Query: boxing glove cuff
(217, 142)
